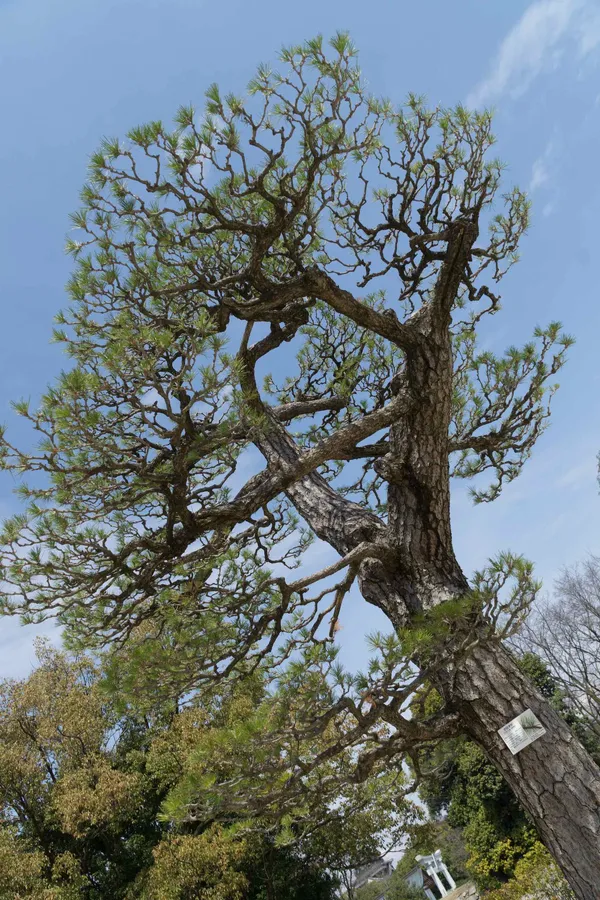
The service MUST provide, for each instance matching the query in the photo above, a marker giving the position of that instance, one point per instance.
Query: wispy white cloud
(581, 475)
(537, 44)
(544, 172)
(543, 176)
(589, 31)
(539, 174)
(541, 169)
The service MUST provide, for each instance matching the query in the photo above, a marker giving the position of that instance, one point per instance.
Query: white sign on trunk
(522, 731)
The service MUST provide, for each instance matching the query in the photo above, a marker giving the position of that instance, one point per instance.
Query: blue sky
(72, 72)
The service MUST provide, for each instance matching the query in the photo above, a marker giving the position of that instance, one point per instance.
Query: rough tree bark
(554, 778)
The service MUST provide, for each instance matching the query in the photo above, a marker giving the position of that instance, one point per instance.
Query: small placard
(522, 731)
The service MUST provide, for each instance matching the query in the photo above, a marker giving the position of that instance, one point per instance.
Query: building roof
(380, 868)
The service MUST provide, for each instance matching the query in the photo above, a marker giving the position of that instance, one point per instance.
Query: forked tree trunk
(554, 778)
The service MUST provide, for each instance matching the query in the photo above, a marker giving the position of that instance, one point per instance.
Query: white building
(375, 871)
(431, 875)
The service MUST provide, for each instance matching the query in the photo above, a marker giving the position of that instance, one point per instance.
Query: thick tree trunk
(554, 778)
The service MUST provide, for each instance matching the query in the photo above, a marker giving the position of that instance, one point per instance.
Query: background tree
(565, 631)
(536, 878)
(371, 891)
(179, 491)
(84, 780)
(366, 822)
(75, 802)
(392, 888)
(214, 865)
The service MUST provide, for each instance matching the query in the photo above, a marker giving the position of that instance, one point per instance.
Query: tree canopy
(564, 631)
(274, 338)
(84, 813)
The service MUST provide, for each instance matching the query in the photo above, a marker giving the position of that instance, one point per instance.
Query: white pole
(438, 881)
(448, 877)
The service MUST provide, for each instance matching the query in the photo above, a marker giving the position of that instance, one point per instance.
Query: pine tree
(274, 325)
